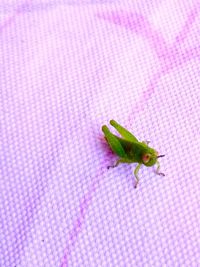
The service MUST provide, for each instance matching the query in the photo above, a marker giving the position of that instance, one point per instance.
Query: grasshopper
(130, 150)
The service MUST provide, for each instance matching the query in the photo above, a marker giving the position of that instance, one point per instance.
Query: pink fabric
(67, 68)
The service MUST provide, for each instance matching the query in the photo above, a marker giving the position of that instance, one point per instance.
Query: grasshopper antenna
(160, 156)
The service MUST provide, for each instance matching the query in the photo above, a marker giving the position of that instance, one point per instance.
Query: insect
(130, 150)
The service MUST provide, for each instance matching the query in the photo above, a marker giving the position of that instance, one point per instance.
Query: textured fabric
(67, 68)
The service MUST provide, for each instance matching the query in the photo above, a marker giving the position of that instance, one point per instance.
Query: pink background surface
(67, 68)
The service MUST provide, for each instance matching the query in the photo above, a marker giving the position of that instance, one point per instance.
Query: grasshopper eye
(146, 158)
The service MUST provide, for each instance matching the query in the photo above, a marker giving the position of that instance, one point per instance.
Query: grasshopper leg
(113, 142)
(136, 174)
(158, 168)
(124, 133)
(118, 162)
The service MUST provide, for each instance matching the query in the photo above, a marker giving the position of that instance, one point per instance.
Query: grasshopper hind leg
(113, 142)
(124, 132)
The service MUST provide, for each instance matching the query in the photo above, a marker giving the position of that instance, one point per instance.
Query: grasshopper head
(149, 158)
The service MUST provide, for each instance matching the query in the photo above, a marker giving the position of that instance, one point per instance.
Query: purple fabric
(67, 68)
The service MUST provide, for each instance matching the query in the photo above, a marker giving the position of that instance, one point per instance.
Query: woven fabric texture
(67, 68)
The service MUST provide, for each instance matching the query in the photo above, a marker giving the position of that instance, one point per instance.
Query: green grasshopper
(130, 150)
